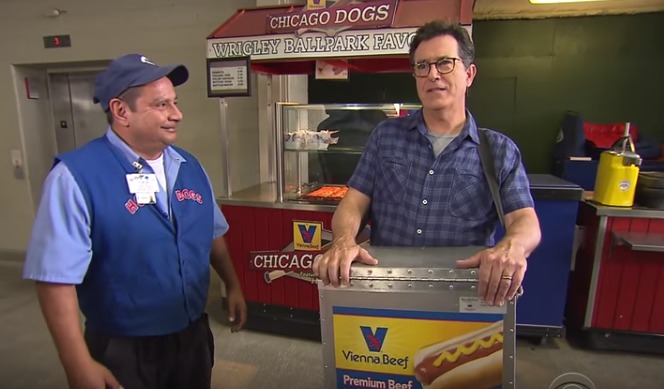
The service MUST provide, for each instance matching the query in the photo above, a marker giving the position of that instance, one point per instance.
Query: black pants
(182, 360)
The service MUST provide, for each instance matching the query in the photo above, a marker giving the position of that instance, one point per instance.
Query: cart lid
(361, 35)
(420, 263)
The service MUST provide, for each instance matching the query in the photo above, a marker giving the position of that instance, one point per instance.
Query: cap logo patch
(147, 61)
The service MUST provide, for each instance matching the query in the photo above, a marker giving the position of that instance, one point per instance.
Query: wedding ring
(506, 277)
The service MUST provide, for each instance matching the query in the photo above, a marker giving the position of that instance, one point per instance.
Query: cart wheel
(572, 381)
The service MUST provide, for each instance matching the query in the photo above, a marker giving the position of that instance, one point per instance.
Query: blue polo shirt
(75, 232)
(419, 199)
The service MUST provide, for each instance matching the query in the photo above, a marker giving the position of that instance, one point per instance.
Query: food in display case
(327, 193)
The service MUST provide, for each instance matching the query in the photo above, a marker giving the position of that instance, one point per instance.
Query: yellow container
(617, 174)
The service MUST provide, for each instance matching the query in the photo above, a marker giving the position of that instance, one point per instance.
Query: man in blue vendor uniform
(127, 230)
(421, 182)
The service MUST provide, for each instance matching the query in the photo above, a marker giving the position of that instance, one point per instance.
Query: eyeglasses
(443, 65)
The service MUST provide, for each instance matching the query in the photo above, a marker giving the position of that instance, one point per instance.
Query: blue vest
(148, 275)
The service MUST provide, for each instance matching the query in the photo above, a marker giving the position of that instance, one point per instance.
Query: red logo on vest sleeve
(188, 194)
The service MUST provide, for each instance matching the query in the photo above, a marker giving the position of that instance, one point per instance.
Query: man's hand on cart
(333, 267)
(502, 269)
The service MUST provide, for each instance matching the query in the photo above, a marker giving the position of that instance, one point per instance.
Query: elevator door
(77, 119)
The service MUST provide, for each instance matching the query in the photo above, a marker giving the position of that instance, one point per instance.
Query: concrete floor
(255, 360)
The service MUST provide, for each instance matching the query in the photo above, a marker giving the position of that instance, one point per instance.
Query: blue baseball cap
(133, 70)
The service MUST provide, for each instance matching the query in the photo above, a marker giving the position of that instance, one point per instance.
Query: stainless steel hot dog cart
(413, 306)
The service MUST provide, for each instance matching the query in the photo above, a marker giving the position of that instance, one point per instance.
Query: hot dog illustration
(470, 361)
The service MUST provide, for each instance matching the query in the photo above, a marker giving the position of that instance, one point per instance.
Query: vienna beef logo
(315, 4)
(307, 236)
(374, 340)
(373, 14)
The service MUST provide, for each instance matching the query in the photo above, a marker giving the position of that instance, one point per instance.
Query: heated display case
(320, 145)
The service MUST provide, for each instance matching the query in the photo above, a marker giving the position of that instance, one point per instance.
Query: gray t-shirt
(439, 142)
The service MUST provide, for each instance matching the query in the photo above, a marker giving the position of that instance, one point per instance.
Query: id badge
(142, 183)
(143, 198)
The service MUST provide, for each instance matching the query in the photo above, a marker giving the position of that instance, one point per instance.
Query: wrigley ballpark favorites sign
(314, 45)
(321, 33)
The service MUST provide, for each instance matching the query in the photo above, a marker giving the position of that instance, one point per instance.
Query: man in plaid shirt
(421, 181)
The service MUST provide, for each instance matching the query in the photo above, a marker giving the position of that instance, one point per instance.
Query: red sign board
(374, 14)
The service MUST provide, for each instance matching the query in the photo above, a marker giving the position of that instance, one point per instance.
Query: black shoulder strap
(490, 172)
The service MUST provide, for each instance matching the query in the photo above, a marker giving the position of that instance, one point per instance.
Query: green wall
(608, 68)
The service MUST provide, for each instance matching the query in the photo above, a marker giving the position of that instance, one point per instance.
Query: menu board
(228, 77)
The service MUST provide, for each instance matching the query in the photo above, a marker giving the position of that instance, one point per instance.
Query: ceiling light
(562, 1)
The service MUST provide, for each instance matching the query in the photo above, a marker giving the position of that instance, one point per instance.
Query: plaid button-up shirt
(418, 199)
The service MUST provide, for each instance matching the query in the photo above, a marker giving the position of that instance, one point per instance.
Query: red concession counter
(617, 286)
(280, 296)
